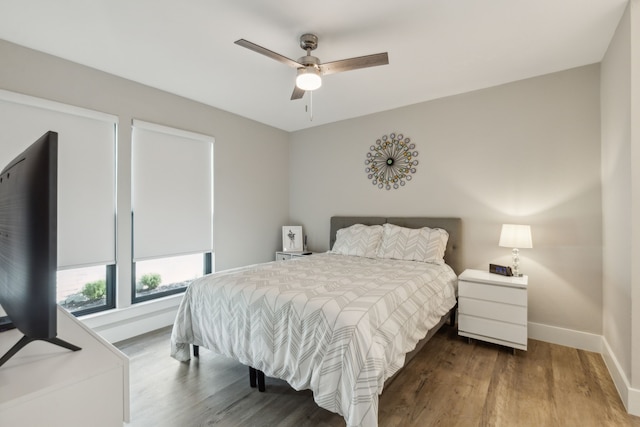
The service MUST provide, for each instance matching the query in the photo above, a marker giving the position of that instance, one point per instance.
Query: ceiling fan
(309, 67)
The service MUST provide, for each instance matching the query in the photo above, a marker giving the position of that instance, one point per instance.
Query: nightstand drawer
(492, 328)
(494, 293)
(493, 310)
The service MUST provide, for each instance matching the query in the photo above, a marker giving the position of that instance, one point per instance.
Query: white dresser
(47, 385)
(493, 308)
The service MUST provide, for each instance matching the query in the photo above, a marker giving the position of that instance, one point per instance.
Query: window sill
(123, 323)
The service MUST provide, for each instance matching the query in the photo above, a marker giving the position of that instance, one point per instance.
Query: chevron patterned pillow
(419, 244)
(358, 240)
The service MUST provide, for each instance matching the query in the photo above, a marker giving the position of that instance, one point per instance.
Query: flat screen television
(29, 242)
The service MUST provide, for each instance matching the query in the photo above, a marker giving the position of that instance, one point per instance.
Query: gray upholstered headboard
(452, 225)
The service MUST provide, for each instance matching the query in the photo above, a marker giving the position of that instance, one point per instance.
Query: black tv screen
(28, 242)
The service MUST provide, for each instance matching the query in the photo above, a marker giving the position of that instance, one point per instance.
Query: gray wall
(526, 152)
(621, 196)
(251, 174)
(634, 6)
(616, 192)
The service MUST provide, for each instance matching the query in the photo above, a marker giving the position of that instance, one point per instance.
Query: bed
(340, 323)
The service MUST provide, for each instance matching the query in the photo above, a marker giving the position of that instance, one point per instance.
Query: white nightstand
(493, 308)
(282, 256)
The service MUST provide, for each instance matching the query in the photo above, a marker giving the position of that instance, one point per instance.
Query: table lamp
(515, 236)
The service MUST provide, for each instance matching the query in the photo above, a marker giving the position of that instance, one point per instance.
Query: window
(172, 203)
(86, 187)
(166, 276)
(86, 290)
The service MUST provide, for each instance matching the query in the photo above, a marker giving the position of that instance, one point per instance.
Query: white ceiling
(436, 47)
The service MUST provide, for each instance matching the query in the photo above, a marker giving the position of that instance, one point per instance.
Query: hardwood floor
(449, 383)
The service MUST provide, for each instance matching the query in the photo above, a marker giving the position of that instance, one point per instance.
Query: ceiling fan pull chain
(311, 106)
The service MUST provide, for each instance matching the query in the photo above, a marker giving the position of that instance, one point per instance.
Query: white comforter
(338, 325)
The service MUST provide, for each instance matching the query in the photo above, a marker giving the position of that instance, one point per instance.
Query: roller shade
(172, 191)
(86, 171)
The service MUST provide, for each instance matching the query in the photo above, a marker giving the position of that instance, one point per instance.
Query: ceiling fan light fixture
(308, 78)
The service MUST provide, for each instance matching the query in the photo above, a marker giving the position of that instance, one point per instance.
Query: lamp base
(515, 253)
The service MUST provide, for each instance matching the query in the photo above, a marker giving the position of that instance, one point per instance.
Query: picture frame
(292, 238)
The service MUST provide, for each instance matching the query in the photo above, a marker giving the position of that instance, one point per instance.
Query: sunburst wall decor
(391, 161)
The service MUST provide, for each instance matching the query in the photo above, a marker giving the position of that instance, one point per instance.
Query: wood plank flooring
(449, 383)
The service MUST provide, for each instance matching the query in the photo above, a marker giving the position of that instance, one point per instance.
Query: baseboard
(121, 324)
(634, 402)
(567, 337)
(630, 396)
(617, 374)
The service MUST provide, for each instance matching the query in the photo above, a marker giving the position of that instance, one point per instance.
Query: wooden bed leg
(261, 386)
(252, 377)
(196, 351)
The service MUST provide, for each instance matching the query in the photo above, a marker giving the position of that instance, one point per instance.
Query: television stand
(26, 340)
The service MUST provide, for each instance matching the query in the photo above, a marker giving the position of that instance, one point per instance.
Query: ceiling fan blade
(266, 52)
(354, 63)
(297, 93)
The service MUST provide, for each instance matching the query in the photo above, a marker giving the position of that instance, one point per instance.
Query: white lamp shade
(308, 78)
(515, 236)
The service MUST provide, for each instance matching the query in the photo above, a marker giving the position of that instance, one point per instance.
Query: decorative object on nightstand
(292, 238)
(283, 256)
(493, 308)
(391, 161)
(517, 237)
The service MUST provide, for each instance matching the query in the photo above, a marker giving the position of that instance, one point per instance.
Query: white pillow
(358, 240)
(413, 244)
